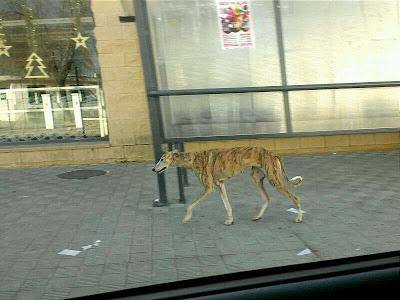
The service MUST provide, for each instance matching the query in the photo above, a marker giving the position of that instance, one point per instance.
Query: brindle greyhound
(214, 166)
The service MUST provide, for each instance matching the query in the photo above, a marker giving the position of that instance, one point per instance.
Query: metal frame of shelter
(154, 94)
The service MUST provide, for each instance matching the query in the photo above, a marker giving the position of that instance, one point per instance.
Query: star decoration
(4, 49)
(80, 40)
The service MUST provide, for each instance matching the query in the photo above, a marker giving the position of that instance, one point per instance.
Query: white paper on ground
(96, 243)
(294, 210)
(304, 252)
(69, 252)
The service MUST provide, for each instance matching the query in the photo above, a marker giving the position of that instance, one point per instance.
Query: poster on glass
(235, 24)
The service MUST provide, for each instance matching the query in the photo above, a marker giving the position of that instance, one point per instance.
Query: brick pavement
(351, 200)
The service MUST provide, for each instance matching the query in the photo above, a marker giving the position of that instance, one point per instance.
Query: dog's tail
(296, 181)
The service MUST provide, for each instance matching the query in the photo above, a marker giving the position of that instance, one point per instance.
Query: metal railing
(44, 99)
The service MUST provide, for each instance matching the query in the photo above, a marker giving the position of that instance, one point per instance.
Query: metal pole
(276, 88)
(185, 177)
(180, 175)
(150, 78)
(180, 180)
(282, 62)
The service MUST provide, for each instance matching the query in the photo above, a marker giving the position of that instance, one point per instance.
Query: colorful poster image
(235, 24)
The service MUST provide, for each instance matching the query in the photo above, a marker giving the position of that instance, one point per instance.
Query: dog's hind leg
(202, 196)
(258, 177)
(227, 205)
(296, 200)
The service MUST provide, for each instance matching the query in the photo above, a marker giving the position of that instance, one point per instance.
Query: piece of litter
(358, 249)
(95, 244)
(294, 210)
(25, 196)
(69, 252)
(304, 252)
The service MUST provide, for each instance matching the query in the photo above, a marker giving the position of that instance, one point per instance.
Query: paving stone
(61, 282)
(163, 264)
(115, 268)
(112, 282)
(56, 293)
(83, 291)
(11, 285)
(351, 209)
(62, 272)
(31, 294)
(7, 295)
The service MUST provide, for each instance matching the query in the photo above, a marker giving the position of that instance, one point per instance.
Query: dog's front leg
(224, 196)
(195, 203)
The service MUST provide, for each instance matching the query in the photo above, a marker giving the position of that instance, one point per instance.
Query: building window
(50, 81)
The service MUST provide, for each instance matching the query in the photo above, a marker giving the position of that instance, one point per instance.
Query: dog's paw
(256, 218)
(299, 220)
(228, 222)
(186, 220)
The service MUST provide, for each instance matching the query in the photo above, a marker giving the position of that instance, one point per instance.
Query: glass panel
(23, 115)
(228, 114)
(345, 109)
(48, 54)
(189, 52)
(341, 41)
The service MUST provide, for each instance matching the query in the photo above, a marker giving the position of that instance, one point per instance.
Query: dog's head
(165, 161)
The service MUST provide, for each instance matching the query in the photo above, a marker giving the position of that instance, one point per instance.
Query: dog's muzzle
(159, 171)
(160, 167)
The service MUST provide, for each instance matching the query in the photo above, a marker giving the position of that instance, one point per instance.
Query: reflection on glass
(51, 58)
(348, 109)
(25, 117)
(189, 53)
(341, 41)
(228, 114)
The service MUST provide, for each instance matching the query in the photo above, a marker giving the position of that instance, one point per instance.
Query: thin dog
(214, 166)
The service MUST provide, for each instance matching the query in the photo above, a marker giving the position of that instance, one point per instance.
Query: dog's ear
(175, 154)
